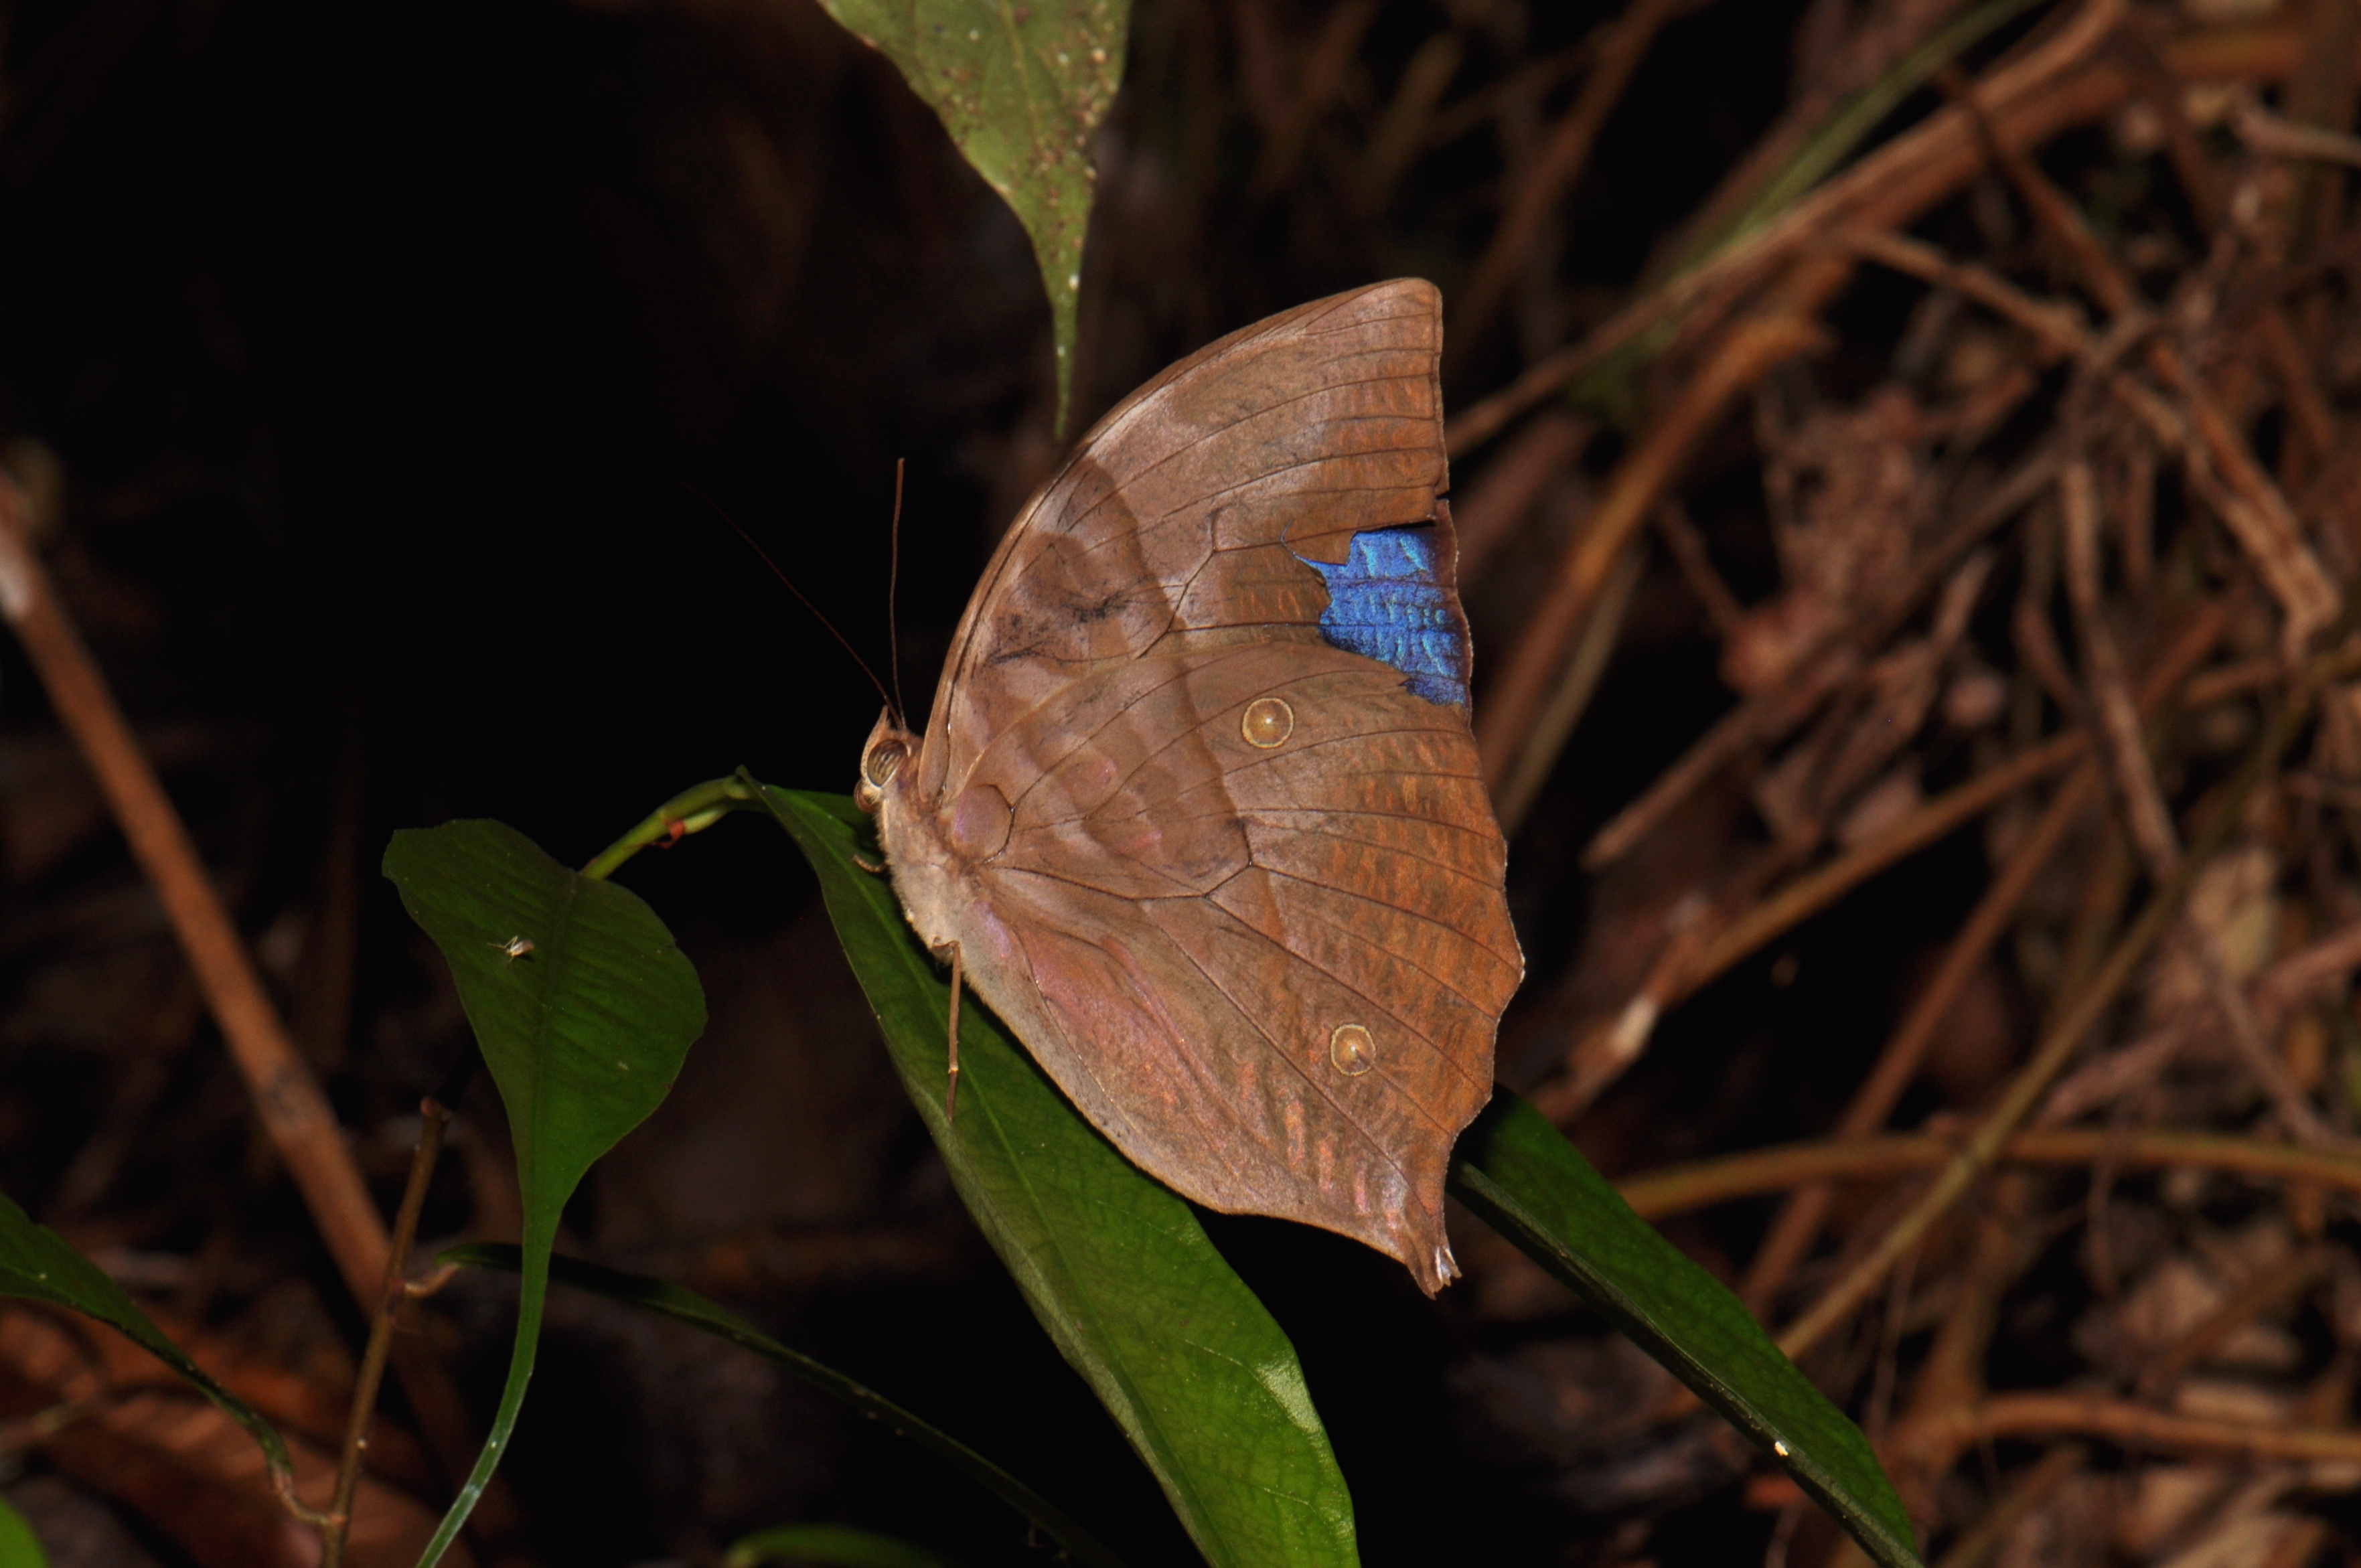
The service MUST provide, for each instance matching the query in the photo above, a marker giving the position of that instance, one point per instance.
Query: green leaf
(686, 1306)
(840, 1545)
(1518, 1172)
(19, 1547)
(1020, 88)
(1116, 1266)
(39, 1265)
(584, 1010)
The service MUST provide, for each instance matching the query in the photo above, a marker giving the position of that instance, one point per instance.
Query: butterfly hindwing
(1201, 771)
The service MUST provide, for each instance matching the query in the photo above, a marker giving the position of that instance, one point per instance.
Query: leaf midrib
(1134, 1398)
(544, 1028)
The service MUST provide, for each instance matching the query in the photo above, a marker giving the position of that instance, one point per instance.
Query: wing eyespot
(1351, 1050)
(1266, 723)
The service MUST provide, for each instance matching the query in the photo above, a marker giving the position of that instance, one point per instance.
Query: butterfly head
(883, 762)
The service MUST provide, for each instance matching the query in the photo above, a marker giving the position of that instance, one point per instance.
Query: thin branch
(2266, 1290)
(2120, 1421)
(2058, 326)
(2122, 746)
(2268, 134)
(287, 1098)
(1699, 955)
(1705, 580)
(2055, 86)
(1831, 666)
(1542, 187)
(1602, 630)
(1981, 1541)
(2026, 1087)
(2241, 679)
(1815, 891)
(1798, 1224)
(1683, 1189)
(2220, 467)
(2147, 821)
(1512, 706)
(2288, 1101)
(288, 1101)
(434, 1117)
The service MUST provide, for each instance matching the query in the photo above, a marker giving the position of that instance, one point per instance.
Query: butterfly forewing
(1239, 889)
(1293, 434)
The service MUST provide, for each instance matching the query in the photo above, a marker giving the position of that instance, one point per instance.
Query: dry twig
(2065, 1037)
(287, 1098)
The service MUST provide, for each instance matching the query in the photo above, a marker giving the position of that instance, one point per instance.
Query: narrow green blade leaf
(686, 1306)
(838, 1545)
(584, 1010)
(1116, 1268)
(1518, 1172)
(1835, 138)
(19, 1547)
(1020, 88)
(39, 1265)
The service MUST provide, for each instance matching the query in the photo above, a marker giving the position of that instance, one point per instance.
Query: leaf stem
(434, 1117)
(693, 810)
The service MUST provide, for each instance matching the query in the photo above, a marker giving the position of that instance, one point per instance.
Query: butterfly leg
(875, 868)
(951, 1090)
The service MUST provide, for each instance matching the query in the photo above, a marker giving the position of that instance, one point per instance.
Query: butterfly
(1197, 810)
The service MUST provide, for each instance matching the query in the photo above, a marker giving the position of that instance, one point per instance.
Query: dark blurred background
(380, 369)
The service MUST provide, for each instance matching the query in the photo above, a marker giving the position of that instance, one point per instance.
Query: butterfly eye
(884, 759)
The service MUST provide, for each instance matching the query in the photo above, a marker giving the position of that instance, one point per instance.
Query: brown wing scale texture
(1239, 890)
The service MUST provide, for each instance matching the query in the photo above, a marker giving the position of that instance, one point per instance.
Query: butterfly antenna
(800, 597)
(892, 584)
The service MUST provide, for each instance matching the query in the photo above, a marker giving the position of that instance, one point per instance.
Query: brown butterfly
(1198, 811)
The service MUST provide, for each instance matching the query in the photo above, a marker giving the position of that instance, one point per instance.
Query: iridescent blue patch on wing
(1388, 601)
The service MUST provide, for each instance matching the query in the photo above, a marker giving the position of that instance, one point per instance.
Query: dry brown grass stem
(1816, 889)
(1514, 703)
(2057, 89)
(1791, 1233)
(288, 1101)
(1980, 1544)
(2220, 467)
(1829, 667)
(287, 1097)
(2128, 1425)
(1540, 188)
(1700, 956)
(2267, 1288)
(2122, 746)
(2058, 326)
(2266, 133)
(2026, 1087)
(2242, 679)
(1683, 1189)
(433, 1118)
(2054, 86)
